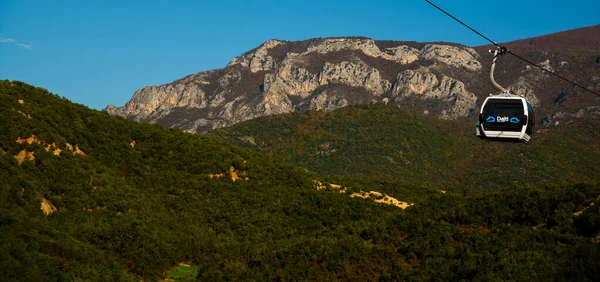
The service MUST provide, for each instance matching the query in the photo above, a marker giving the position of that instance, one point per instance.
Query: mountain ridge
(441, 79)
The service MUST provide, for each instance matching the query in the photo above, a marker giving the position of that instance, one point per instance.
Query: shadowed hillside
(381, 140)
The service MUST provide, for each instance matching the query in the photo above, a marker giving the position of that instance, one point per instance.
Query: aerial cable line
(503, 49)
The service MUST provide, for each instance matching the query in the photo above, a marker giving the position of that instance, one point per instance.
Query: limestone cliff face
(151, 99)
(324, 75)
(291, 79)
(456, 101)
(402, 54)
(324, 101)
(451, 55)
(354, 75)
(258, 60)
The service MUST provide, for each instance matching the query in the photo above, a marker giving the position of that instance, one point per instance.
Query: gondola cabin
(509, 118)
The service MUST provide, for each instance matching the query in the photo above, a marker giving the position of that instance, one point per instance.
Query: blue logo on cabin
(490, 119)
(514, 120)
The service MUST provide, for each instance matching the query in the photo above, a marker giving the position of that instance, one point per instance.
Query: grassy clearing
(182, 272)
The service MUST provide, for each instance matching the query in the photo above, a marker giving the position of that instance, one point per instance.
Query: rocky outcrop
(291, 79)
(148, 100)
(561, 117)
(294, 80)
(324, 101)
(524, 89)
(422, 83)
(354, 75)
(459, 57)
(403, 54)
(259, 60)
(273, 103)
(154, 98)
(367, 46)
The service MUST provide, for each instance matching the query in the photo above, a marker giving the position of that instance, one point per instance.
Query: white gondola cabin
(506, 117)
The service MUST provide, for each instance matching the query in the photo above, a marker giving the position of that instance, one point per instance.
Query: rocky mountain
(445, 80)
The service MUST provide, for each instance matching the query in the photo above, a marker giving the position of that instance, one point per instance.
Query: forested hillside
(88, 196)
(384, 141)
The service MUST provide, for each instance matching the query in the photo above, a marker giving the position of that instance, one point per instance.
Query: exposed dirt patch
(578, 213)
(239, 174)
(54, 149)
(76, 150)
(381, 198)
(318, 185)
(249, 139)
(24, 155)
(23, 114)
(377, 197)
(97, 208)
(79, 151)
(28, 140)
(233, 173)
(47, 207)
(392, 201)
(49, 147)
(216, 175)
(120, 213)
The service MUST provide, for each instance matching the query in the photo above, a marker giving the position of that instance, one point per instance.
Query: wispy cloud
(26, 46)
(12, 41)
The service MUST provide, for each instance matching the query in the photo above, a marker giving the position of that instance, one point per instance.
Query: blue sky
(99, 52)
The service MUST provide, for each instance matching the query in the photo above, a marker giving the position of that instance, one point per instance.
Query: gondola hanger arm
(500, 51)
